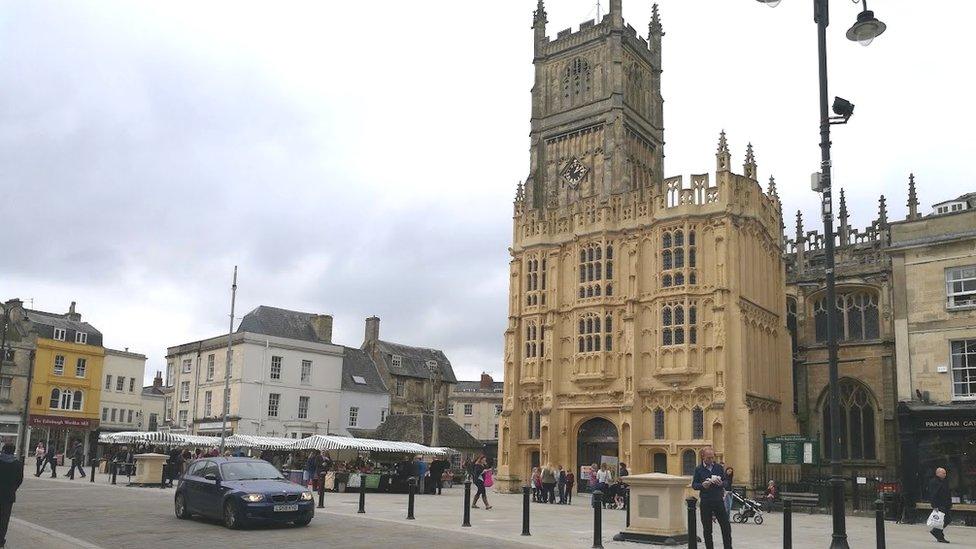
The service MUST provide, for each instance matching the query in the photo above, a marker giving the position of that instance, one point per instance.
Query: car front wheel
(232, 517)
(180, 507)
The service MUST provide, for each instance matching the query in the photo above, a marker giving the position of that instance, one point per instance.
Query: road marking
(54, 533)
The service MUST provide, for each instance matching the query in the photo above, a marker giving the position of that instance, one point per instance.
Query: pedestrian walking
(421, 474)
(709, 480)
(729, 473)
(40, 453)
(52, 458)
(535, 481)
(548, 484)
(941, 501)
(561, 485)
(437, 468)
(77, 455)
(11, 477)
(570, 482)
(479, 471)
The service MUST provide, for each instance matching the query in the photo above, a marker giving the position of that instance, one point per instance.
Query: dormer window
(397, 361)
(59, 334)
(81, 337)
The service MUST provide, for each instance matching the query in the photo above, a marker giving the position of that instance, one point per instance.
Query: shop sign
(948, 424)
(60, 421)
(791, 450)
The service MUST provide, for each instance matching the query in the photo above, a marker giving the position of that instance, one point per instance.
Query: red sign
(60, 421)
(889, 487)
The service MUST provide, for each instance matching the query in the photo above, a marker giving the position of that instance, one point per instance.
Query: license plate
(285, 508)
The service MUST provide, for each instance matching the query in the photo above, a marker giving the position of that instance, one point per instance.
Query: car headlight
(253, 498)
(307, 496)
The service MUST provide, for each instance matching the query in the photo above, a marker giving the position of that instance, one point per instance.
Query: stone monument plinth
(658, 513)
(149, 468)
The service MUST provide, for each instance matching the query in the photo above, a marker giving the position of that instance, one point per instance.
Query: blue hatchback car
(240, 491)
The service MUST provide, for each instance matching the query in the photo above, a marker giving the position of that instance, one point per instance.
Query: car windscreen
(248, 470)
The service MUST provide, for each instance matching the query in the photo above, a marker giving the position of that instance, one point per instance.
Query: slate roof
(407, 428)
(277, 322)
(355, 362)
(43, 323)
(413, 361)
(475, 387)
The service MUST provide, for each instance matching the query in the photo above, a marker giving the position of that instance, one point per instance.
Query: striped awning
(316, 442)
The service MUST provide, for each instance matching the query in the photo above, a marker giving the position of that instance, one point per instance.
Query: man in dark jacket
(940, 499)
(11, 477)
(77, 455)
(709, 480)
(561, 485)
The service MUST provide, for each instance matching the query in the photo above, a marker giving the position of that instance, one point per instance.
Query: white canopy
(317, 442)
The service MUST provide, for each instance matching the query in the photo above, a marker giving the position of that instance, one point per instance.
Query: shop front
(934, 436)
(60, 432)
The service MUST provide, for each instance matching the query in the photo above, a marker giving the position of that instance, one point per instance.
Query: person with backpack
(482, 478)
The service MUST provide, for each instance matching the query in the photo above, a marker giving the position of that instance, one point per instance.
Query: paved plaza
(59, 513)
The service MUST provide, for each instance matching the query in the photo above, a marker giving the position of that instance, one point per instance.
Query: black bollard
(322, 491)
(787, 524)
(627, 504)
(115, 471)
(879, 523)
(525, 511)
(692, 524)
(467, 504)
(162, 484)
(92, 479)
(597, 519)
(362, 493)
(412, 489)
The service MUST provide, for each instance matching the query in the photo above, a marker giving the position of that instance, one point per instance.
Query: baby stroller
(748, 509)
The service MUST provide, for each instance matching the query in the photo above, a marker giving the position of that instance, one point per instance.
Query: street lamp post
(866, 29)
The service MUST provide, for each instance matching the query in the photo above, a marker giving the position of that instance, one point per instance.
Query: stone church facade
(647, 318)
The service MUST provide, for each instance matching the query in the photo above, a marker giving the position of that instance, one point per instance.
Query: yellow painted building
(67, 382)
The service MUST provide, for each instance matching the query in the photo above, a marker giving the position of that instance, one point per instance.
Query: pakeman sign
(948, 424)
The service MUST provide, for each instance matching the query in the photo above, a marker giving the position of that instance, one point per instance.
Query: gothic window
(532, 340)
(688, 463)
(609, 290)
(697, 423)
(595, 270)
(659, 424)
(676, 324)
(661, 463)
(857, 317)
(591, 336)
(857, 435)
(535, 293)
(576, 79)
(676, 257)
(791, 321)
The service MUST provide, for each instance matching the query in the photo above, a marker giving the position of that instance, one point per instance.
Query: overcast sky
(360, 158)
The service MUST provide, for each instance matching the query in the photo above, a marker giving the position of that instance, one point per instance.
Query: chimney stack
(487, 382)
(372, 330)
(72, 315)
(158, 380)
(322, 325)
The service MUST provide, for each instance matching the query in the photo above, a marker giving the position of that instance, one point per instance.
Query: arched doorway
(596, 440)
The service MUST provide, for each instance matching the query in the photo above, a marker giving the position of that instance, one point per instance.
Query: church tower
(647, 318)
(597, 125)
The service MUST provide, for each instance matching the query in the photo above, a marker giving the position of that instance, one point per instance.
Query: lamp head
(866, 29)
(770, 3)
(843, 107)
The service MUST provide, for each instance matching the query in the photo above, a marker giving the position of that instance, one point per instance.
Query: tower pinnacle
(912, 198)
(772, 187)
(655, 27)
(845, 228)
(799, 225)
(723, 159)
(882, 212)
(539, 21)
(749, 167)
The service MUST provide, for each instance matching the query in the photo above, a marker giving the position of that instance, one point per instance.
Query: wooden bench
(964, 511)
(810, 500)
